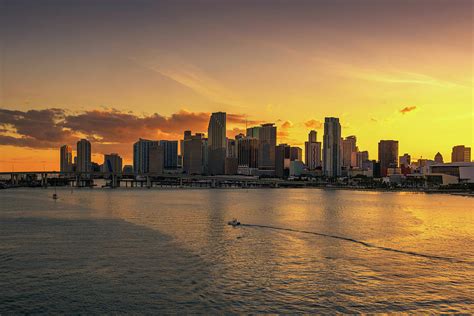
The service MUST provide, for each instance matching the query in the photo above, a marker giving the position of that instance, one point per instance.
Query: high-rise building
(253, 132)
(296, 153)
(282, 160)
(141, 155)
(312, 151)
(388, 155)
(461, 153)
(170, 153)
(247, 155)
(217, 143)
(112, 163)
(405, 160)
(438, 158)
(194, 149)
(156, 157)
(65, 159)
(361, 157)
(267, 138)
(349, 152)
(84, 163)
(332, 158)
(231, 149)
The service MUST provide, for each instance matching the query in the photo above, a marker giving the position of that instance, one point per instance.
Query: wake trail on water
(363, 243)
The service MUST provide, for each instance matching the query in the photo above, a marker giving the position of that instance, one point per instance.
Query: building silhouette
(332, 159)
(267, 138)
(247, 152)
(194, 148)
(438, 158)
(170, 153)
(65, 158)
(83, 163)
(217, 143)
(282, 160)
(349, 152)
(461, 153)
(112, 163)
(296, 153)
(312, 151)
(388, 155)
(156, 158)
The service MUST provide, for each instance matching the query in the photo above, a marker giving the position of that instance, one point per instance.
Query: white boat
(233, 222)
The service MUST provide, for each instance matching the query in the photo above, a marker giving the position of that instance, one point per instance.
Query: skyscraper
(388, 155)
(296, 153)
(84, 156)
(65, 164)
(141, 155)
(247, 154)
(170, 153)
(193, 153)
(405, 160)
(312, 151)
(267, 138)
(461, 153)
(362, 157)
(156, 157)
(112, 163)
(332, 147)
(282, 160)
(217, 143)
(349, 152)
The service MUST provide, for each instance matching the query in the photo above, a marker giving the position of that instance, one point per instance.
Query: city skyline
(146, 75)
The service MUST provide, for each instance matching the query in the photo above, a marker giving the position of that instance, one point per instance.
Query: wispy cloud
(407, 109)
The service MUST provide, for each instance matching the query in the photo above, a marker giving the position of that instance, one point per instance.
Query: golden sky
(115, 71)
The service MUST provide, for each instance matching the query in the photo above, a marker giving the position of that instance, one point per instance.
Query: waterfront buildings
(296, 153)
(362, 157)
(141, 155)
(388, 155)
(217, 143)
(282, 160)
(349, 152)
(267, 138)
(156, 158)
(247, 155)
(194, 147)
(83, 161)
(65, 158)
(332, 147)
(170, 153)
(112, 163)
(312, 151)
(461, 153)
(438, 158)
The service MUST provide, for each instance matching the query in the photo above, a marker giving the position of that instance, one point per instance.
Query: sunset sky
(113, 71)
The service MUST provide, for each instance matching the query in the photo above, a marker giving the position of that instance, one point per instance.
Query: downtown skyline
(115, 72)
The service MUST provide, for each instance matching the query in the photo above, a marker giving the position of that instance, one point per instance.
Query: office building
(461, 153)
(170, 153)
(267, 138)
(247, 152)
(112, 163)
(332, 159)
(65, 158)
(405, 160)
(282, 160)
(312, 151)
(349, 152)
(361, 157)
(217, 143)
(84, 163)
(388, 155)
(296, 153)
(231, 148)
(194, 148)
(156, 158)
(141, 155)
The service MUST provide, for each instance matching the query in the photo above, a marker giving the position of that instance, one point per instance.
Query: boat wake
(363, 243)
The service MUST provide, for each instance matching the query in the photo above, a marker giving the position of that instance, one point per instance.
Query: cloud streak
(407, 109)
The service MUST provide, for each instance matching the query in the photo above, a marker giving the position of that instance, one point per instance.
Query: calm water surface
(151, 251)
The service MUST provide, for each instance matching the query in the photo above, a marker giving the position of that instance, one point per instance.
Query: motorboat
(234, 222)
(55, 196)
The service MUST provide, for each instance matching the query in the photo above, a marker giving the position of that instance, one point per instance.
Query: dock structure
(148, 180)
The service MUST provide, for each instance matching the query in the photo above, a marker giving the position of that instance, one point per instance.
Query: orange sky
(115, 72)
